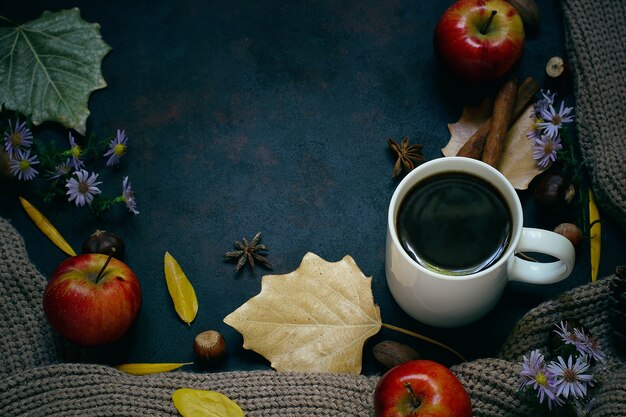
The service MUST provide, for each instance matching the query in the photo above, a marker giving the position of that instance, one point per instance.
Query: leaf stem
(6, 19)
(425, 338)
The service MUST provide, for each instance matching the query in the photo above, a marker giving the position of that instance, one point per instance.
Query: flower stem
(425, 338)
(483, 30)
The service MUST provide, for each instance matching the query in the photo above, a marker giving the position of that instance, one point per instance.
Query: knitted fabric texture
(597, 54)
(34, 383)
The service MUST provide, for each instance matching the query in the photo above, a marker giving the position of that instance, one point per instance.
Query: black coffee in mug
(454, 223)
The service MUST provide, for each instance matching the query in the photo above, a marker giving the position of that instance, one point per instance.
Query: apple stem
(99, 276)
(414, 400)
(483, 30)
(425, 338)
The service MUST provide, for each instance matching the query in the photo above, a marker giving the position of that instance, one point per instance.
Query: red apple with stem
(479, 40)
(92, 299)
(421, 388)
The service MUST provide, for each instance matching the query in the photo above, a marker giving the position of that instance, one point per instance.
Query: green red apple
(479, 40)
(92, 299)
(421, 388)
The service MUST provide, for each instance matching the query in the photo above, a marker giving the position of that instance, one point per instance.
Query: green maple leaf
(50, 66)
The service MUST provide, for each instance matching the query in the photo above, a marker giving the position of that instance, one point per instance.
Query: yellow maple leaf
(314, 319)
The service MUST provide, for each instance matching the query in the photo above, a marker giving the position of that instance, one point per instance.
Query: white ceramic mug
(447, 301)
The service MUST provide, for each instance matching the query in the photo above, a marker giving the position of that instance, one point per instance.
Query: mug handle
(546, 242)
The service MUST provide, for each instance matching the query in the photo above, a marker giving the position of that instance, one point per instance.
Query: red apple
(421, 388)
(479, 40)
(90, 307)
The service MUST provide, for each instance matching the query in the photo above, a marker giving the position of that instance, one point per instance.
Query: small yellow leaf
(180, 289)
(200, 403)
(149, 368)
(46, 227)
(595, 235)
(314, 319)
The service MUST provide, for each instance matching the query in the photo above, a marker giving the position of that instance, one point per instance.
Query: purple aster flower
(545, 150)
(534, 134)
(544, 103)
(567, 336)
(571, 377)
(17, 138)
(22, 165)
(61, 170)
(117, 148)
(588, 345)
(128, 196)
(584, 343)
(82, 188)
(76, 154)
(535, 374)
(553, 120)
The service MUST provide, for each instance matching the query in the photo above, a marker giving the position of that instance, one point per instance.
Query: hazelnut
(209, 346)
(569, 231)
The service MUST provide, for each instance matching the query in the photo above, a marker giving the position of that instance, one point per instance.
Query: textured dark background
(248, 116)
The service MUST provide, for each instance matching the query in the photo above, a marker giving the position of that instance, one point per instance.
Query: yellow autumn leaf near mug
(595, 235)
(149, 368)
(200, 403)
(180, 289)
(46, 227)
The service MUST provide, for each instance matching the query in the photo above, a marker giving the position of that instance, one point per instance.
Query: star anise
(248, 252)
(408, 155)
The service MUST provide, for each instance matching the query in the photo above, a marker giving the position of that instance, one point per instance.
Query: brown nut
(570, 231)
(209, 346)
(391, 353)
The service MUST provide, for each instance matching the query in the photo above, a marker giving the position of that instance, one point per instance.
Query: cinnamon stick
(500, 119)
(473, 148)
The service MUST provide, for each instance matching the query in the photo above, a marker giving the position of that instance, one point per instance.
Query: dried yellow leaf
(314, 319)
(149, 368)
(595, 237)
(516, 162)
(46, 227)
(180, 289)
(200, 403)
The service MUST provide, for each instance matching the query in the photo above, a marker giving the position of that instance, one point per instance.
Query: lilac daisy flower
(117, 148)
(553, 120)
(76, 154)
(128, 196)
(17, 138)
(82, 188)
(22, 165)
(534, 134)
(534, 373)
(588, 345)
(568, 337)
(571, 379)
(61, 170)
(545, 150)
(544, 103)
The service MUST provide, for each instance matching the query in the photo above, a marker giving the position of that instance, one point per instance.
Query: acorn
(209, 347)
(390, 353)
(103, 242)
